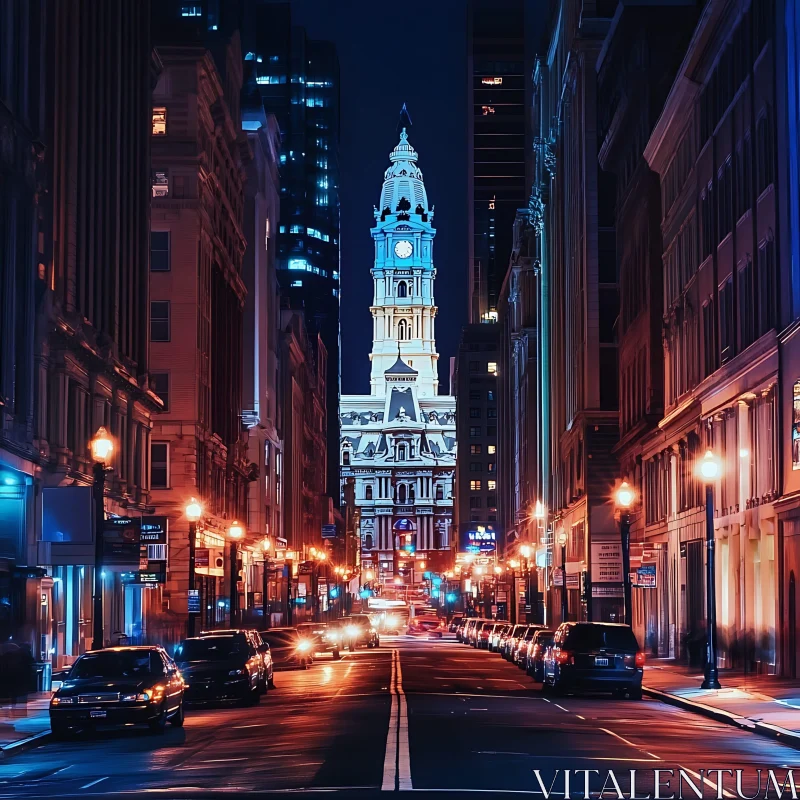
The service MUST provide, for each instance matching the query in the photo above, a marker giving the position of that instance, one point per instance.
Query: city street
(412, 715)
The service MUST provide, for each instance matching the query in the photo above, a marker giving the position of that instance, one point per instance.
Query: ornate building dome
(403, 180)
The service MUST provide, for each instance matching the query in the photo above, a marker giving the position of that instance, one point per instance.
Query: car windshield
(209, 648)
(530, 633)
(118, 664)
(591, 637)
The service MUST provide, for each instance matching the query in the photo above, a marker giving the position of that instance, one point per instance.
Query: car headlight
(140, 697)
(352, 630)
(234, 672)
(61, 701)
(304, 646)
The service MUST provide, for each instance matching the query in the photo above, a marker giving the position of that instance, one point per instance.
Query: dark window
(709, 339)
(159, 382)
(744, 186)
(475, 449)
(474, 366)
(491, 430)
(746, 304)
(475, 432)
(491, 413)
(440, 493)
(474, 413)
(368, 492)
(707, 221)
(159, 321)
(727, 330)
(475, 466)
(474, 502)
(765, 165)
(475, 394)
(159, 465)
(767, 294)
(609, 383)
(402, 289)
(159, 251)
(724, 200)
(346, 457)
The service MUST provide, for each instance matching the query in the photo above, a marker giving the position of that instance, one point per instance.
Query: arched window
(368, 542)
(401, 493)
(412, 494)
(346, 456)
(368, 492)
(402, 330)
(402, 289)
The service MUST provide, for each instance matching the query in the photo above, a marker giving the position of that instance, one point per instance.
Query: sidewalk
(24, 723)
(762, 704)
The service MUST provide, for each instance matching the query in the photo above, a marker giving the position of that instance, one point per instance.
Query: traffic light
(451, 598)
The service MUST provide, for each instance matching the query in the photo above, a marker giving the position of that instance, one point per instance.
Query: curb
(25, 744)
(782, 735)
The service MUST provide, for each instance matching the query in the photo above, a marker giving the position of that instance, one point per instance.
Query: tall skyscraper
(497, 144)
(299, 83)
(398, 441)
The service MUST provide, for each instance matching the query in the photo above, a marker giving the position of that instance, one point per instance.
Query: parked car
(222, 667)
(358, 631)
(454, 623)
(521, 655)
(289, 649)
(513, 639)
(468, 628)
(119, 686)
(262, 648)
(484, 632)
(496, 634)
(503, 640)
(537, 648)
(460, 630)
(472, 633)
(595, 656)
(426, 624)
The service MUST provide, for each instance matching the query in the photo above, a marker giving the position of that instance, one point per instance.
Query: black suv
(595, 656)
(220, 667)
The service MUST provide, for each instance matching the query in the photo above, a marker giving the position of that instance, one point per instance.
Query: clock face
(403, 249)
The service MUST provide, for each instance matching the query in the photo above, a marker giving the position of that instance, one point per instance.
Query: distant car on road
(595, 656)
(289, 649)
(119, 686)
(357, 631)
(318, 633)
(222, 667)
(454, 623)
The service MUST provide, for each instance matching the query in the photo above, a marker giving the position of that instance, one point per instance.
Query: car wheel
(178, 717)
(271, 682)
(336, 655)
(634, 694)
(377, 643)
(158, 724)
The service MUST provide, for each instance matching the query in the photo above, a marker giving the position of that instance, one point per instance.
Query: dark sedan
(536, 653)
(119, 686)
(220, 668)
(595, 656)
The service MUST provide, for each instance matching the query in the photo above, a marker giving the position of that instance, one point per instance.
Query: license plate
(601, 662)
(96, 714)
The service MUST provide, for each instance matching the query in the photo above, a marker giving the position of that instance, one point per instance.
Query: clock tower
(403, 309)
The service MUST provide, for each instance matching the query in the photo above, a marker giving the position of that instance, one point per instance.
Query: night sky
(389, 54)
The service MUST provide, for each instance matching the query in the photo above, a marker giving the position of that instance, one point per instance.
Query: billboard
(477, 539)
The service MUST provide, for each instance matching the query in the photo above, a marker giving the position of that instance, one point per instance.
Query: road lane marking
(390, 758)
(222, 760)
(580, 717)
(561, 707)
(403, 755)
(94, 783)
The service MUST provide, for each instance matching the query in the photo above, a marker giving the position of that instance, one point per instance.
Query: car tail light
(640, 659)
(565, 657)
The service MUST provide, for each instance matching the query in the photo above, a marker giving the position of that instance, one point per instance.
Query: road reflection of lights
(327, 674)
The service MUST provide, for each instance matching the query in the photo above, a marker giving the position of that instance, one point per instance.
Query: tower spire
(404, 123)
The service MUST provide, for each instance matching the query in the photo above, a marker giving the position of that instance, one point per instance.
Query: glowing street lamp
(235, 532)
(708, 470)
(624, 497)
(101, 446)
(538, 510)
(193, 512)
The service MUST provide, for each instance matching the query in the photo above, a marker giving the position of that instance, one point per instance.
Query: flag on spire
(404, 122)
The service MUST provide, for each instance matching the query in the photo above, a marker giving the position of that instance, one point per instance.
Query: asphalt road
(416, 715)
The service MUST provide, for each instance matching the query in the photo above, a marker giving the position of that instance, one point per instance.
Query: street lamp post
(624, 498)
(709, 470)
(193, 513)
(525, 551)
(101, 446)
(562, 540)
(265, 545)
(235, 532)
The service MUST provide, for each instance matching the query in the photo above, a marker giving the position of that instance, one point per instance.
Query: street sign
(154, 530)
(201, 557)
(194, 601)
(328, 531)
(607, 562)
(646, 576)
(121, 541)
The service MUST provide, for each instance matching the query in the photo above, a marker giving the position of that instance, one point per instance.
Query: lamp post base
(710, 683)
